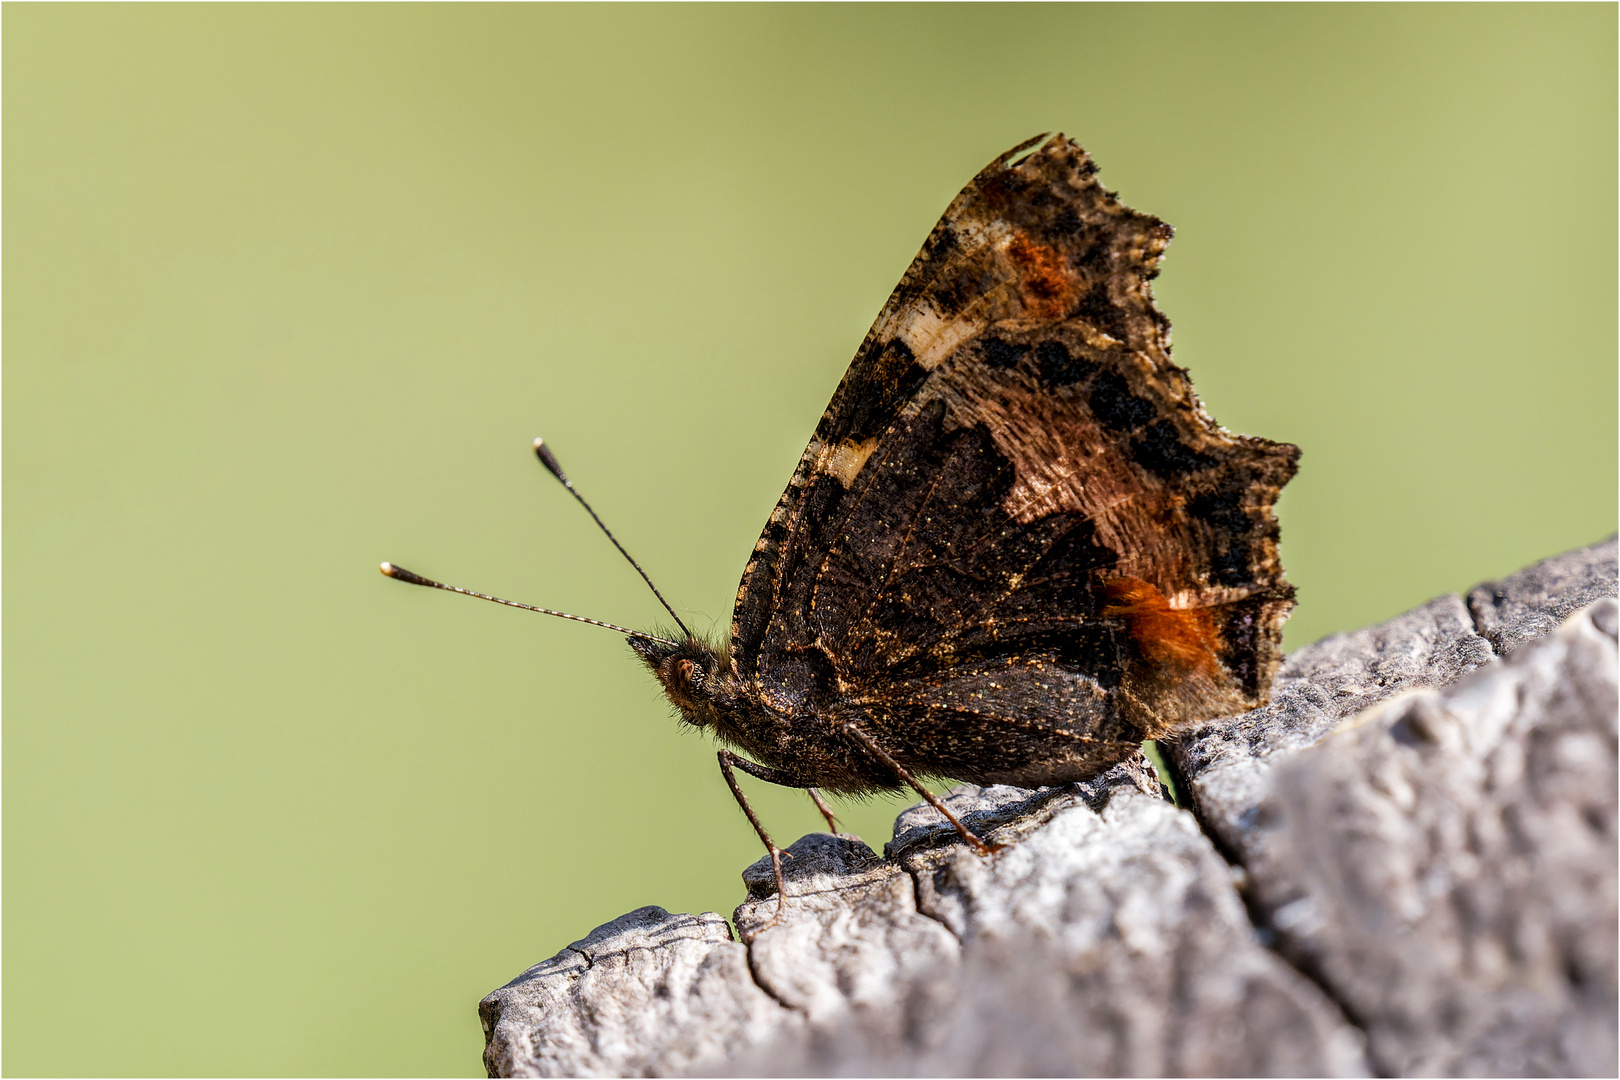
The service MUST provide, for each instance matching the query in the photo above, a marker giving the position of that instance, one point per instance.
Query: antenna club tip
(549, 460)
(399, 573)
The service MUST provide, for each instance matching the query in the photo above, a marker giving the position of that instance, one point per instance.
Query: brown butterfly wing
(1017, 544)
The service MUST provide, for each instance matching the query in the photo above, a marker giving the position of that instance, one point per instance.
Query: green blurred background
(289, 289)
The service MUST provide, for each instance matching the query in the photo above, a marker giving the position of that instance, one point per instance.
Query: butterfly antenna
(399, 573)
(549, 460)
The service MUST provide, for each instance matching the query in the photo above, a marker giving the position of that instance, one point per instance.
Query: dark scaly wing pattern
(1016, 538)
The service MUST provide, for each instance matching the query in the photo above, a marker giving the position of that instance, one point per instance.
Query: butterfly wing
(1016, 544)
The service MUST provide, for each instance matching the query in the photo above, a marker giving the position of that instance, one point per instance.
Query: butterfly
(1016, 546)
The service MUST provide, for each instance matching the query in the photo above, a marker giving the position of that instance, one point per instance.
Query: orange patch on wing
(1176, 637)
(1044, 277)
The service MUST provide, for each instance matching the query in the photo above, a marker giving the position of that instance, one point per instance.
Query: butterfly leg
(826, 811)
(770, 776)
(882, 755)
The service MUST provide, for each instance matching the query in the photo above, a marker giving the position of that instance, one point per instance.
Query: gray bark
(1529, 604)
(1405, 864)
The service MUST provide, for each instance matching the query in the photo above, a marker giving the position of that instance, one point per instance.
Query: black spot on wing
(880, 392)
(1065, 224)
(1233, 530)
(1246, 632)
(1060, 367)
(1074, 553)
(1115, 407)
(1221, 509)
(773, 533)
(1162, 453)
(1240, 633)
(1230, 566)
(1093, 260)
(1002, 354)
(1100, 311)
(956, 289)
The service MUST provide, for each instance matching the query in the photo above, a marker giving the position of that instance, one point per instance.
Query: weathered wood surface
(1405, 864)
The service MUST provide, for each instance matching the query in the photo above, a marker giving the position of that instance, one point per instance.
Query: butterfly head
(697, 677)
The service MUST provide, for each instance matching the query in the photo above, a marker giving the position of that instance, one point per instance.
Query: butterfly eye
(689, 673)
